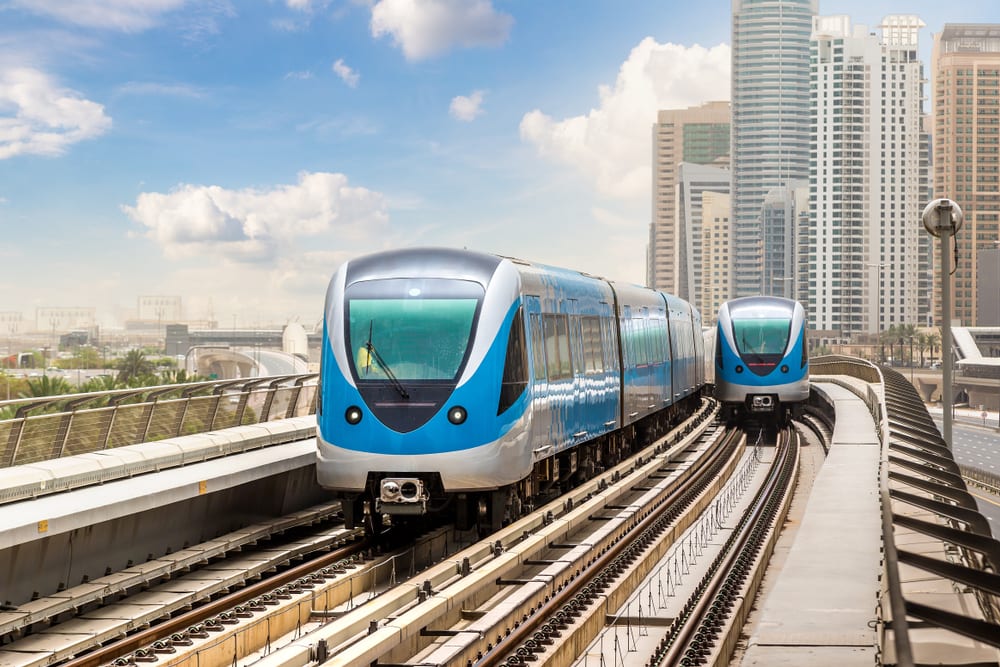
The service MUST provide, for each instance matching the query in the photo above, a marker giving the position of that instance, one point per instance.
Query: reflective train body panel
(761, 359)
(447, 371)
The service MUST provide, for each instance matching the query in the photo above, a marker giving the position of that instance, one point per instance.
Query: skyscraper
(716, 251)
(770, 135)
(965, 66)
(868, 251)
(693, 180)
(698, 135)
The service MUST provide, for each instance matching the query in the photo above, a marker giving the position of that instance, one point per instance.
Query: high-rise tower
(697, 135)
(965, 66)
(770, 129)
(868, 251)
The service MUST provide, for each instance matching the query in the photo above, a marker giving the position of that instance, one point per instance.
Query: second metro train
(761, 358)
(462, 382)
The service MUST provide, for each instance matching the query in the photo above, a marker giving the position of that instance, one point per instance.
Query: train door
(541, 423)
(576, 410)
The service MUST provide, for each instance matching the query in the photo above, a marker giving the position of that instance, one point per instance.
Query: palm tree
(923, 345)
(933, 340)
(133, 367)
(907, 332)
(180, 376)
(47, 386)
(100, 383)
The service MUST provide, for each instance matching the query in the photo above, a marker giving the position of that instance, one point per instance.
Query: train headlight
(390, 490)
(457, 415)
(739, 369)
(784, 368)
(353, 415)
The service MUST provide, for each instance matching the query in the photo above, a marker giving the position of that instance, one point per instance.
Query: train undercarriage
(401, 498)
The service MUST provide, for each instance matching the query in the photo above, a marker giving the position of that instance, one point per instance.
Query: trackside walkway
(821, 608)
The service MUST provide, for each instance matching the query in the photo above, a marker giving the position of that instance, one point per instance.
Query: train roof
(423, 262)
(760, 306)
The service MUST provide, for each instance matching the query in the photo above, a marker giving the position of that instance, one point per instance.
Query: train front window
(410, 329)
(762, 337)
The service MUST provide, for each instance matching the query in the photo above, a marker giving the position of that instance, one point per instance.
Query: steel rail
(178, 624)
(686, 491)
(747, 537)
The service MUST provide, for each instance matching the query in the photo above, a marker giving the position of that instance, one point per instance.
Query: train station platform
(821, 608)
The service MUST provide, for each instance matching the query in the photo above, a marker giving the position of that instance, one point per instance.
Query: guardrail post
(14, 440)
(293, 401)
(265, 412)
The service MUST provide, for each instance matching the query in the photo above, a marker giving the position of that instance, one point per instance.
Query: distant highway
(978, 446)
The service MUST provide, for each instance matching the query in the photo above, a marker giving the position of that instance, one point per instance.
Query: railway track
(347, 616)
(501, 601)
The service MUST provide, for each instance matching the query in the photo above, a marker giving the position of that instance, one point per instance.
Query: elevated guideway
(887, 562)
(70, 520)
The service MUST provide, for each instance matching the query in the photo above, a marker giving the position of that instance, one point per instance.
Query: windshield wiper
(372, 352)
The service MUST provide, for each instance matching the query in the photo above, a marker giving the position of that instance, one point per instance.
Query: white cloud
(253, 225)
(126, 15)
(611, 144)
(38, 117)
(467, 108)
(426, 28)
(302, 75)
(349, 76)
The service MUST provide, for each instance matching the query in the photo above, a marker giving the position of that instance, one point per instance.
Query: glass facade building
(770, 127)
(697, 135)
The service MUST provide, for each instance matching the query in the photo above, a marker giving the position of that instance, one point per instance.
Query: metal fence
(49, 427)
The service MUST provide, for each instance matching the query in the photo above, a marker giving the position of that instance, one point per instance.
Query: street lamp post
(943, 218)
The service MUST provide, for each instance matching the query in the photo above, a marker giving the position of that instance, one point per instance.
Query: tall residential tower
(965, 66)
(770, 136)
(868, 258)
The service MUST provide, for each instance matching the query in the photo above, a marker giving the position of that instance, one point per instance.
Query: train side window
(515, 368)
(537, 347)
(557, 356)
(609, 341)
(576, 344)
(551, 346)
(592, 344)
(565, 357)
(628, 342)
(805, 347)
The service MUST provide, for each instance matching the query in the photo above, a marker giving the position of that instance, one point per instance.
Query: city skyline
(234, 155)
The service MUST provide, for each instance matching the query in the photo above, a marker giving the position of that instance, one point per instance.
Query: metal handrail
(44, 428)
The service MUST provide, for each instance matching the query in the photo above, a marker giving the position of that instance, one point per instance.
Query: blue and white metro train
(476, 384)
(761, 357)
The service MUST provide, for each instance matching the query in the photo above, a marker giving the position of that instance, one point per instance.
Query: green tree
(180, 376)
(100, 383)
(934, 340)
(86, 357)
(907, 336)
(133, 368)
(47, 386)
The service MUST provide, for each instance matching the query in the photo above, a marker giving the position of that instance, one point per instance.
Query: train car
(476, 384)
(761, 358)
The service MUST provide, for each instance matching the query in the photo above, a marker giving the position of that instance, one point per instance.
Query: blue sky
(235, 152)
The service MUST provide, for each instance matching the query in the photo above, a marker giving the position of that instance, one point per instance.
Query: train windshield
(401, 330)
(762, 338)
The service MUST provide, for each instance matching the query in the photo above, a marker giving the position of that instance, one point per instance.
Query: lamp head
(942, 216)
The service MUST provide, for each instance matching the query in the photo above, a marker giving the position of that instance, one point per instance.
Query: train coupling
(402, 495)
